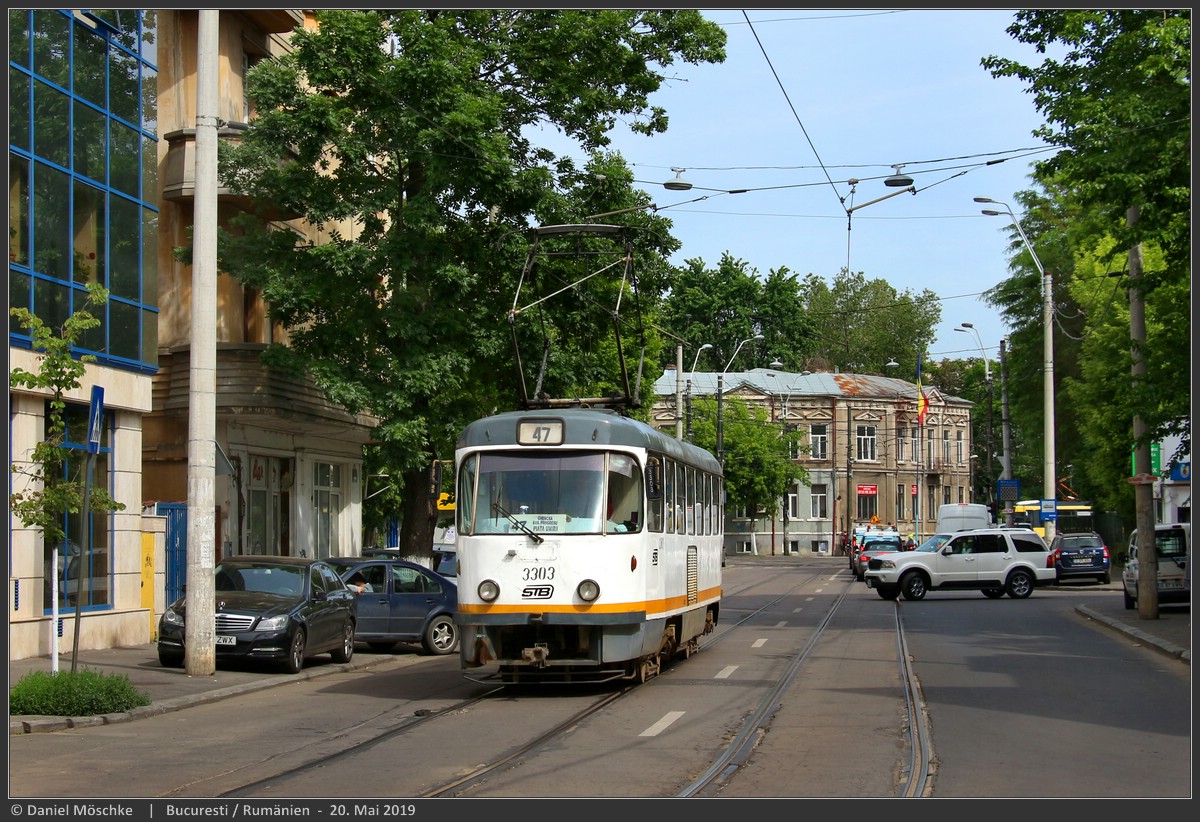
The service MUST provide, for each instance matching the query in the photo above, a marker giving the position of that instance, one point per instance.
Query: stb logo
(537, 592)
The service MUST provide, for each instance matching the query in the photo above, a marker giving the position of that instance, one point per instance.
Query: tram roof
(588, 426)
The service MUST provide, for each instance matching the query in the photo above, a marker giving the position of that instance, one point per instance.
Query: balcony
(179, 180)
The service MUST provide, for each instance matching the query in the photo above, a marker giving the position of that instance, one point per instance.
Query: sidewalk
(171, 689)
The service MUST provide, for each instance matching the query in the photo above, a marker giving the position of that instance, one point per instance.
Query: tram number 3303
(537, 572)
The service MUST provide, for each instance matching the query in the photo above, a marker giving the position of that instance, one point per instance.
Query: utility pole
(849, 472)
(1006, 432)
(199, 630)
(679, 391)
(1142, 479)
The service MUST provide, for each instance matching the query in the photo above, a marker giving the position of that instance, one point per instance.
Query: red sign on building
(868, 490)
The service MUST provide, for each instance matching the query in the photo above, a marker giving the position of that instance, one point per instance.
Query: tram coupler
(537, 655)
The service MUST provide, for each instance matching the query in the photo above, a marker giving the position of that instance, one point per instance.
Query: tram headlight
(588, 590)
(488, 590)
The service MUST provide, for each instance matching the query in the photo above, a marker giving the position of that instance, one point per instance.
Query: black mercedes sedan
(278, 609)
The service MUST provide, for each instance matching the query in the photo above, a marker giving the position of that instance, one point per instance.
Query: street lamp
(1049, 480)
(692, 379)
(721, 396)
(697, 359)
(987, 373)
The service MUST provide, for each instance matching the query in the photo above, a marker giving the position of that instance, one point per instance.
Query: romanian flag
(922, 400)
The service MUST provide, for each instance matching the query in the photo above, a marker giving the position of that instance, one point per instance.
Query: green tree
(421, 128)
(758, 469)
(728, 304)
(860, 324)
(1118, 105)
(46, 494)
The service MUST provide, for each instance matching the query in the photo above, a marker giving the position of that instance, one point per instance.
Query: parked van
(1173, 546)
(963, 516)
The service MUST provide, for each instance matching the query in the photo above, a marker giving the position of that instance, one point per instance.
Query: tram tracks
(725, 764)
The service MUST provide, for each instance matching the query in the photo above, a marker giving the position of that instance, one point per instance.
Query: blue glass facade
(83, 175)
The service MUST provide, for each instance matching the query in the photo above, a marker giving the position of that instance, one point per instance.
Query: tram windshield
(550, 493)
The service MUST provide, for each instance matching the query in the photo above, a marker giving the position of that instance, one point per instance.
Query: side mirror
(947, 550)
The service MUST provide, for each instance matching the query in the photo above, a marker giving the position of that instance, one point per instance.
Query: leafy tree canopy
(758, 471)
(409, 138)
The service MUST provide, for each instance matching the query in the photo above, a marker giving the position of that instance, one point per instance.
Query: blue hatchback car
(1080, 556)
(400, 601)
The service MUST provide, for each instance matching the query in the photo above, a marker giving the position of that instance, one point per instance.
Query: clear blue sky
(808, 99)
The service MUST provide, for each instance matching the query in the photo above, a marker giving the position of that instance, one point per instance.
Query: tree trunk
(418, 518)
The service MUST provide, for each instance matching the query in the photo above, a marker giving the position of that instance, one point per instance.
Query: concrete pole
(1006, 466)
(199, 630)
(679, 391)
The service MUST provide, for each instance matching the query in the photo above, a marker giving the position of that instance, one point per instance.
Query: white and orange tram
(589, 546)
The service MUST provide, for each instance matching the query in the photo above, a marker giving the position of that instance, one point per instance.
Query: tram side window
(655, 495)
(690, 487)
(680, 499)
(624, 493)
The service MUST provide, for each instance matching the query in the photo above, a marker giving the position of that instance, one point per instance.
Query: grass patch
(83, 693)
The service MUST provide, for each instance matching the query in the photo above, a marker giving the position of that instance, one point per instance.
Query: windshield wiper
(536, 537)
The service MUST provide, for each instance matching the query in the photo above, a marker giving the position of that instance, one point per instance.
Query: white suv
(994, 560)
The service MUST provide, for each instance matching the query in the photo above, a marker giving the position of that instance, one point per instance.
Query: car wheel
(441, 636)
(1020, 584)
(1105, 580)
(295, 656)
(344, 652)
(1130, 602)
(169, 660)
(888, 591)
(912, 585)
(381, 647)
(993, 593)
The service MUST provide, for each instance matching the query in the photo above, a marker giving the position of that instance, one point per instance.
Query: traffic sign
(1049, 510)
(95, 419)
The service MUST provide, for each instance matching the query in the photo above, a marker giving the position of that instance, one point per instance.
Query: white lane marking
(758, 643)
(662, 724)
(725, 672)
(797, 610)
(782, 624)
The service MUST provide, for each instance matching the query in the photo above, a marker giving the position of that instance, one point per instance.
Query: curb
(1184, 655)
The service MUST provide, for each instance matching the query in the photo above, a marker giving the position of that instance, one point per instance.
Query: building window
(867, 506)
(901, 436)
(87, 552)
(959, 448)
(818, 440)
(744, 547)
(946, 447)
(792, 505)
(915, 442)
(866, 442)
(900, 494)
(960, 494)
(327, 506)
(945, 494)
(83, 184)
(819, 502)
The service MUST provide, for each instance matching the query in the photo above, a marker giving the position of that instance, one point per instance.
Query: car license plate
(226, 640)
(1170, 584)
